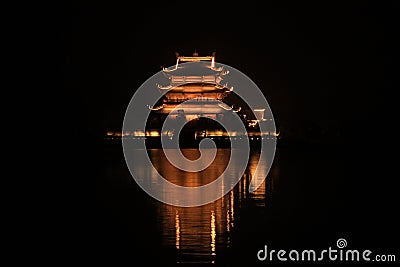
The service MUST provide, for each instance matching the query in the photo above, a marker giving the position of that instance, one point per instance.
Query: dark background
(324, 68)
(315, 62)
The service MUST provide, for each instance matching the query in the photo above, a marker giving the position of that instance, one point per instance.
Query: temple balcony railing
(193, 79)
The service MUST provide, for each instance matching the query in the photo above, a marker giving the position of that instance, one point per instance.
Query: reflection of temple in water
(199, 234)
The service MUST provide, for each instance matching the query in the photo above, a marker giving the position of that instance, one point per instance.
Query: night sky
(325, 65)
(316, 63)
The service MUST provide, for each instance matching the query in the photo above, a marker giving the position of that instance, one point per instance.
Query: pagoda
(199, 90)
(184, 83)
(198, 97)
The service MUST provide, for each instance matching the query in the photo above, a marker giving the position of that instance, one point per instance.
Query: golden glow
(232, 213)
(225, 107)
(138, 133)
(210, 133)
(193, 79)
(193, 108)
(156, 108)
(194, 59)
(217, 69)
(253, 123)
(228, 221)
(127, 133)
(164, 87)
(168, 133)
(213, 233)
(200, 228)
(222, 85)
(186, 89)
(217, 133)
(177, 230)
(239, 109)
(152, 133)
(191, 117)
(176, 66)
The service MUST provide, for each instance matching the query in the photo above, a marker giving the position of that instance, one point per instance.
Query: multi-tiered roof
(200, 80)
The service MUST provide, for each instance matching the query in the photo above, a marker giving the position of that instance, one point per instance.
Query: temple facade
(183, 83)
(197, 94)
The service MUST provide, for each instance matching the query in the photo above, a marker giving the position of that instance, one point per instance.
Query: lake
(305, 202)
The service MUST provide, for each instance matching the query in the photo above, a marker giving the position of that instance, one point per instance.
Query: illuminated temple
(200, 100)
(207, 89)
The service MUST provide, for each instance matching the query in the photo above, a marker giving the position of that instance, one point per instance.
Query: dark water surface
(307, 201)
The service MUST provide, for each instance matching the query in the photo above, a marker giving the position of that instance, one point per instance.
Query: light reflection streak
(177, 230)
(192, 232)
(232, 210)
(213, 235)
